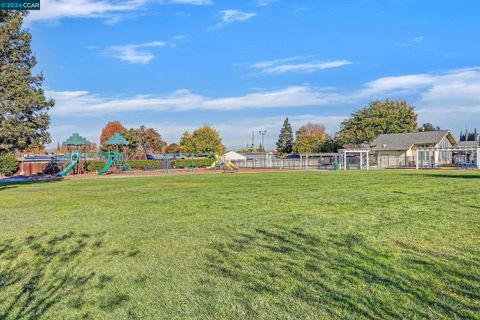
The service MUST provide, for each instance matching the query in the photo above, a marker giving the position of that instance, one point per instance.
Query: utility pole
(262, 135)
(253, 140)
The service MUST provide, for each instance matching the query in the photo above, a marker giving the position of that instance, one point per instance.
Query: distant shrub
(8, 163)
(92, 166)
(144, 164)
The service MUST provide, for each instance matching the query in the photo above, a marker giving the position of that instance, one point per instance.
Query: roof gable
(404, 141)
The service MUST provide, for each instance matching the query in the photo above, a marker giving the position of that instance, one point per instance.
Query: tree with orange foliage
(109, 130)
(311, 130)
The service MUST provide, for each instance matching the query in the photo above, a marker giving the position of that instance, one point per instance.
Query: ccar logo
(19, 4)
(30, 5)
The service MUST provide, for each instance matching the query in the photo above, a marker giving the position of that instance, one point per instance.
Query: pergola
(361, 152)
(304, 158)
(435, 151)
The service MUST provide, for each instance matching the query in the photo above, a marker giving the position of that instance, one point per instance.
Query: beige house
(399, 150)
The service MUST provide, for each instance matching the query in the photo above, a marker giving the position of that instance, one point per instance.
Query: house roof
(467, 144)
(404, 141)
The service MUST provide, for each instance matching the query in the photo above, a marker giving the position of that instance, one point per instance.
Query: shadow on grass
(14, 182)
(41, 271)
(450, 176)
(340, 276)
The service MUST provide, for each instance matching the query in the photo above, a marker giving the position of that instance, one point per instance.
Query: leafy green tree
(388, 116)
(285, 139)
(307, 144)
(428, 127)
(250, 150)
(8, 163)
(133, 139)
(204, 140)
(23, 106)
(309, 138)
(173, 148)
(186, 142)
(330, 144)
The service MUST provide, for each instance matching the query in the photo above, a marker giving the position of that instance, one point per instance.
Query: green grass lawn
(378, 244)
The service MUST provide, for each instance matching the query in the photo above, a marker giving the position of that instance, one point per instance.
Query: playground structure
(191, 162)
(76, 161)
(223, 163)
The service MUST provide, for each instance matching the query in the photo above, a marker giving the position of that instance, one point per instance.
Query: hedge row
(199, 163)
(92, 166)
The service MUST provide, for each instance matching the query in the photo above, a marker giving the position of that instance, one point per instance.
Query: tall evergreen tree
(285, 139)
(23, 106)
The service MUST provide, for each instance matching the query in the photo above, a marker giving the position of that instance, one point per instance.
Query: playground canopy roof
(117, 140)
(232, 155)
(76, 140)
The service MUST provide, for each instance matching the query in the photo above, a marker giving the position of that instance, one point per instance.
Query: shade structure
(76, 140)
(233, 156)
(117, 140)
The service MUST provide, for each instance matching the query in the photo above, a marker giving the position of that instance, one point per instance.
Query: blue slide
(75, 156)
(111, 160)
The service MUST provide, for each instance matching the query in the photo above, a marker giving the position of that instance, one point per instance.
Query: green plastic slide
(111, 160)
(75, 156)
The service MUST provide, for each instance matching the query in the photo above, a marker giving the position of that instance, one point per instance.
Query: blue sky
(243, 66)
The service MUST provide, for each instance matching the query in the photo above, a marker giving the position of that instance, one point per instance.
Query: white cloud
(230, 16)
(191, 2)
(61, 129)
(82, 102)
(111, 10)
(449, 99)
(399, 83)
(411, 42)
(298, 8)
(263, 3)
(58, 9)
(133, 53)
(453, 100)
(297, 64)
(455, 89)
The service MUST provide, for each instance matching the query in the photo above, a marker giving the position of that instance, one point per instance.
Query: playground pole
(193, 162)
(165, 164)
